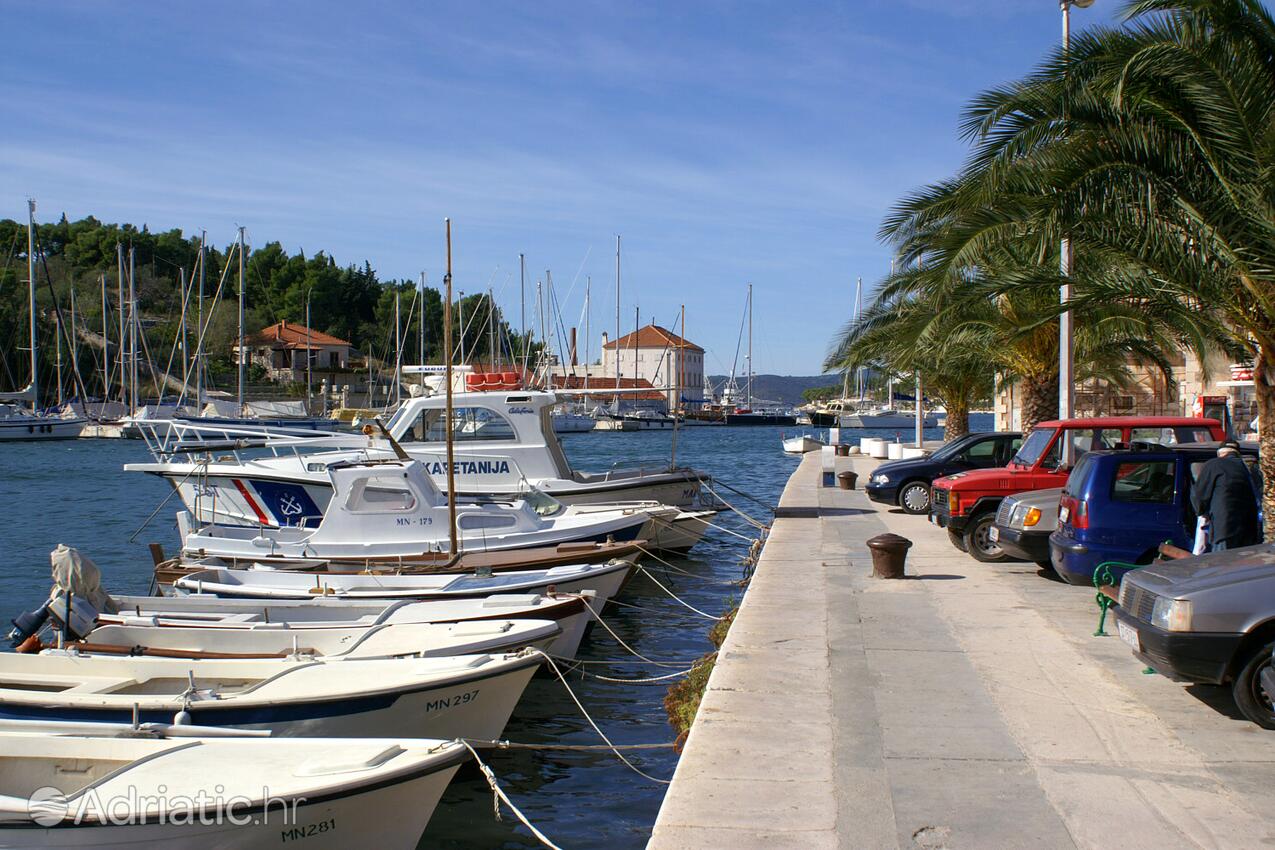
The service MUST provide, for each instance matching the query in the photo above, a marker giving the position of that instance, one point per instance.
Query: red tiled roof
(602, 385)
(653, 336)
(291, 335)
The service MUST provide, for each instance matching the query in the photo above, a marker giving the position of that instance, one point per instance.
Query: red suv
(965, 504)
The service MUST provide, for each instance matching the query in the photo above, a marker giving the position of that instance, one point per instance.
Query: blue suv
(1121, 505)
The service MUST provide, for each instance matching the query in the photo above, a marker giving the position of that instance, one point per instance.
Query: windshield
(540, 501)
(1033, 447)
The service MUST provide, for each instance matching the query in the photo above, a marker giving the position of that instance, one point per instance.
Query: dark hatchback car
(906, 483)
(1121, 505)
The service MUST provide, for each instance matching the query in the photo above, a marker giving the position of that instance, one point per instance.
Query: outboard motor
(28, 624)
(72, 615)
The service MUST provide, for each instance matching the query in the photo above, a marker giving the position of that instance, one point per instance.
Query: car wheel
(914, 497)
(1251, 700)
(977, 541)
(957, 540)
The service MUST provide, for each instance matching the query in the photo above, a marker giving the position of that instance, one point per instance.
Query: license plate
(934, 520)
(1129, 635)
(993, 534)
(1063, 513)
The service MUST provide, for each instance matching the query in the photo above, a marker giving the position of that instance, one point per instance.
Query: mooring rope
(598, 616)
(498, 795)
(750, 520)
(680, 571)
(673, 524)
(562, 678)
(583, 748)
(677, 598)
(574, 667)
(767, 505)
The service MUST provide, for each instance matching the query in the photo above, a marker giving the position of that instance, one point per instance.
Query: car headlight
(1033, 517)
(1172, 615)
(880, 478)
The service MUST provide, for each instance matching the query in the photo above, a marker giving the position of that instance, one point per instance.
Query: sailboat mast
(522, 309)
(588, 283)
(460, 309)
(132, 331)
(106, 345)
(35, 376)
(57, 339)
(398, 349)
(749, 396)
(184, 290)
(492, 354)
(199, 337)
(617, 324)
(123, 345)
(421, 320)
(858, 314)
(243, 360)
(450, 421)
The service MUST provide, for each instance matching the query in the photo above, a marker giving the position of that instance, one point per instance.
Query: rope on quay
(677, 598)
(562, 678)
(598, 616)
(672, 568)
(498, 795)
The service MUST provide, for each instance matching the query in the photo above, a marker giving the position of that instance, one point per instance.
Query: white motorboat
(504, 442)
(461, 696)
(277, 640)
(604, 579)
(802, 444)
(886, 417)
(390, 509)
(113, 791)
(571, 613)
(570, 422)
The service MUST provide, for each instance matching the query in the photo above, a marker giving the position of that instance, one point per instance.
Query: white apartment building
(657, 355)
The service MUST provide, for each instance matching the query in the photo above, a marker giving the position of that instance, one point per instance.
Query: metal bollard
(889, 554)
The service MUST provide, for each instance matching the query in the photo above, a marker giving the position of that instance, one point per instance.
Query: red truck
(965, 503)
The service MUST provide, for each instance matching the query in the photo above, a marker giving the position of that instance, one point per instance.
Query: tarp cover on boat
(277, 409)
(78, 574)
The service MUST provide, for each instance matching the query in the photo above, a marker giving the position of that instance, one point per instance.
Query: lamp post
(1066, 328)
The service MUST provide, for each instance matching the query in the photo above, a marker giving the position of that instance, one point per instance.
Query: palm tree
(1153, 147)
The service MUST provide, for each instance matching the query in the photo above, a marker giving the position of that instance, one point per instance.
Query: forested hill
(782, 388)
(347, 300)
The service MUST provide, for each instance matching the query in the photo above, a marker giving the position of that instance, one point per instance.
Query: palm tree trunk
(1264, 389)
(1040, 399)
(958, 420)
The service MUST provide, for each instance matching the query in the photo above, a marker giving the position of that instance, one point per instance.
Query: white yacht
(504, 445)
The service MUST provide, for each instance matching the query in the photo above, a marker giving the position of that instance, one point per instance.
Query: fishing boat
(604, 579)
(570, 612)
(157, 793)
(388, 509)
(454, 697)
(503, 442)
(16, 422)
(802, 444)
(277, 640)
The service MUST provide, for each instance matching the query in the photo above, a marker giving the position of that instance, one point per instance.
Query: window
(469, 424)
(1145, 481)
(984, 450)
(1159, 436)
(1034, 446)
(380, 494)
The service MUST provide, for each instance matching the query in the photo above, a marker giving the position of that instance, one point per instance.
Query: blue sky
(727, 143)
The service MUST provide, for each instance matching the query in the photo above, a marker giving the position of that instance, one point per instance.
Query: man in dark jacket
(1224, 494)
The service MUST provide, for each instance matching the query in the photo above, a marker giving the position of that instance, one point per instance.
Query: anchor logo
(289, 506)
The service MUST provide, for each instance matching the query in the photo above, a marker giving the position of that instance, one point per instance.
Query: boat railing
(166, 438)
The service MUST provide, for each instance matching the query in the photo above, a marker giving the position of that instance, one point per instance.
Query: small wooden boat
(168, 570)
(604, 579)
(571, 612)
(219, 793)
(462, 696)
(277, 640)
(802, 444)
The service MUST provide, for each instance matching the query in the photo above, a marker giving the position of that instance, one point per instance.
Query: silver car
(1024, 522)
(1210, 619)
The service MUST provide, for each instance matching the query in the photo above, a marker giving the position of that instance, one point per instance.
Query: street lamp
(1066, 329)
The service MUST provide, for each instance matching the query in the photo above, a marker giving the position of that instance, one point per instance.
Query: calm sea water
(77, 493)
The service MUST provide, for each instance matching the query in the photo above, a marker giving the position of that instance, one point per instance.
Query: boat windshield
(1033, 447)
(541, 502)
